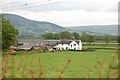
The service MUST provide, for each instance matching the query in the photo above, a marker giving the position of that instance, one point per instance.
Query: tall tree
(118, 40)
(90, 38)
(51, 36)
(48, 35)
(0, 33)
(66, 35)
(1, 15)
(107, 38)
(76, 35)
(84, 36)
(9, 34)
(56, 36)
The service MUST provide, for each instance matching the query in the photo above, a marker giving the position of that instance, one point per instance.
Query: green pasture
(101, 45)
(82, 64)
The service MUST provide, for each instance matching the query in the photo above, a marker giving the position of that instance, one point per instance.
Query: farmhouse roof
(50, 45)
(68, 41)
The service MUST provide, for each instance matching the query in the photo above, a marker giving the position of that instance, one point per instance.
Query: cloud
(63, 5)
(65, 12)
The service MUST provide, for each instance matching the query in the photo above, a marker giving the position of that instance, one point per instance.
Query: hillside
(31, 27)
(96, 29)
(28, 27)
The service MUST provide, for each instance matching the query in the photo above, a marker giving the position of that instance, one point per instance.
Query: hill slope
(28, 27)
(31, 27)
(96, 29)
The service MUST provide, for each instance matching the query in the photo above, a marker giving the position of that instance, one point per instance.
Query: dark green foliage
(118, 40)
(57, 36)
(62, 35)
(99, 37)
(51, 36)
(84, 37)
(88, 49)
(76, 35)
(1, 31)
(90, 38)
(107, 38)
(9, 34)
(66, 35)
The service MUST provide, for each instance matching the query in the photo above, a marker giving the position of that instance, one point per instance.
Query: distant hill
(96, 29)
(31, 27)
(28, 27)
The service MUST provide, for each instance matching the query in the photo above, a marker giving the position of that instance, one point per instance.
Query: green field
(65, 64)
(100, 45)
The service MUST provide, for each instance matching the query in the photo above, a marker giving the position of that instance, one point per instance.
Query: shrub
(88, 49)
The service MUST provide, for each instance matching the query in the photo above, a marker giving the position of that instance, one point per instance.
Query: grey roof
(65, 42)
(37, 40)
(68, 41)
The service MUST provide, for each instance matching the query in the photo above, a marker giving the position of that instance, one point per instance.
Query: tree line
(85, 37)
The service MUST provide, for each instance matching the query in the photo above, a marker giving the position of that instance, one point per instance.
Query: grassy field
(100, 45)
(65, 64)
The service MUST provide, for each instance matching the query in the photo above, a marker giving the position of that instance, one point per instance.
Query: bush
(88, 49)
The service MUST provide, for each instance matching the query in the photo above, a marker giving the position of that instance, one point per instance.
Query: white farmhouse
(69, 45)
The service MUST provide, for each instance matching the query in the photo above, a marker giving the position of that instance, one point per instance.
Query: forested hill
(28, 27)
(96, 29)
(31, 27)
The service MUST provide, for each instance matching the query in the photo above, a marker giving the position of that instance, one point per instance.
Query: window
(74, 44)
(66, 48)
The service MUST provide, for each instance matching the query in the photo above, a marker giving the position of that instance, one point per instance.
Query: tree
(76, 35)
(66, 35)
(84, 36)
(107, 38)
(90, 38)
(98, 37)
(56, 36)
(48, 35)
(51, 36)
(118, 40)
(0, 39)
(9, 34)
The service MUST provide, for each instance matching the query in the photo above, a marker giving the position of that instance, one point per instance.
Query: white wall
(80, 44)
(63, 46)
(74, 46)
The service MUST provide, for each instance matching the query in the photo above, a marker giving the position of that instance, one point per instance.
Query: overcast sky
(65, 12)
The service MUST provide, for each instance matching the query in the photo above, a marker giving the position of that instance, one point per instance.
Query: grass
(98, 45)
(65, 64)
